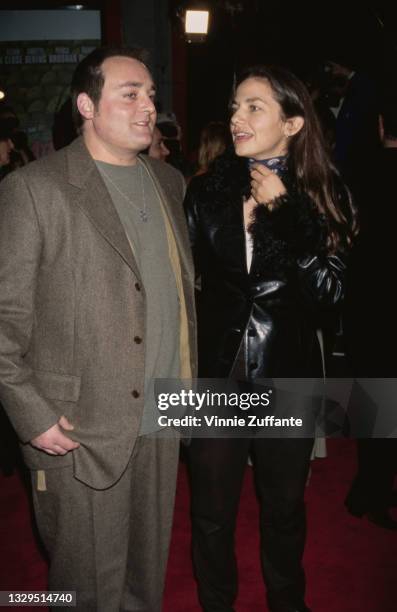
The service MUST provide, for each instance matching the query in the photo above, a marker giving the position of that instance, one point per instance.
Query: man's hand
(54, 441)
(265, 185)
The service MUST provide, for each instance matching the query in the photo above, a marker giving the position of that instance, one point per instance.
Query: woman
(215, 138)
(270, 228)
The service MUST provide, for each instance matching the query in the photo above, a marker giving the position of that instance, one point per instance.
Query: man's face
(123, 122)
(6, 147)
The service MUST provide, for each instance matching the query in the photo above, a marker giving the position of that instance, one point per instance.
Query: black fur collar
(292, 230)
(227, 181)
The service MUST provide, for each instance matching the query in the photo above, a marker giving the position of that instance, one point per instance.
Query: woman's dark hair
(307, 152)
(88, 77)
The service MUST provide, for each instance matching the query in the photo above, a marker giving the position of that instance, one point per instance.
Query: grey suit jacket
(71, 302)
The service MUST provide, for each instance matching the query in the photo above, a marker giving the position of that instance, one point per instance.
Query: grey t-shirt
(135, 197)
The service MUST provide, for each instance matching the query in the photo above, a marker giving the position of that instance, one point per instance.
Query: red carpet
(351, 565)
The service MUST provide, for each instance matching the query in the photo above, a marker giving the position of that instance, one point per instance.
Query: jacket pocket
(58, 386)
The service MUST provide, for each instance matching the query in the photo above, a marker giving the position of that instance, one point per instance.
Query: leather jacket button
(252, 366)
(137, 286)
(135, 393)
(137, 340)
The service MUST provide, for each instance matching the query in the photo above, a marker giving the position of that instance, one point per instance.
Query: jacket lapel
(94, 200)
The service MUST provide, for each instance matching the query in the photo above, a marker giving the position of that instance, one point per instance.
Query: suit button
(137, 286)
(135, 393)
(253, 366)
(137, 339)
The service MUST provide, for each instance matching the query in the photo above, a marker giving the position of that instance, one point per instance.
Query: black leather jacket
(272, 312)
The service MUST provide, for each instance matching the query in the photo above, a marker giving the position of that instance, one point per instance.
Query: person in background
(158, 149)
(270, 227)
(215, 138)
(21, 153)
(353, 97)
(371, 354)
(97, 302)
(6, 147)
(172, 134)
(8, 117)
(8, 441)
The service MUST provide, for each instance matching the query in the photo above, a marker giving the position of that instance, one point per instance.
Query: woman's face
(257, 126)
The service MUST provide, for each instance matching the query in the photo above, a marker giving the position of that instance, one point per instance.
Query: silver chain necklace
(142, 211)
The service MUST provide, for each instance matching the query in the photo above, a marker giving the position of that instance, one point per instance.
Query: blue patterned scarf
(278, 165)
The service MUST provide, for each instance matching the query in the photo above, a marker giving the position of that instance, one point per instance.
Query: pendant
(143, 215)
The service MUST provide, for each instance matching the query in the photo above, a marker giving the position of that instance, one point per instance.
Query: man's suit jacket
(71, 304)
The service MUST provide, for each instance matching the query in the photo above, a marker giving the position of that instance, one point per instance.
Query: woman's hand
(265, 185)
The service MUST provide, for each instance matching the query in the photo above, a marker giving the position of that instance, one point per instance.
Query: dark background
(299, 35)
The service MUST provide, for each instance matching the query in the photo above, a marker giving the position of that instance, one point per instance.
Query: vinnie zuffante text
(210, 400)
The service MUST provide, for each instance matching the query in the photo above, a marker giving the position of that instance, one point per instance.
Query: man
(370, 322)
(97, 302)
(353, 98)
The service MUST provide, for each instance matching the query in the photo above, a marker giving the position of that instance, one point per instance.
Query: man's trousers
(111, 546)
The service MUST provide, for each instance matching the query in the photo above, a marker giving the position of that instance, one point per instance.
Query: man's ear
(85, 106)
(293, 125)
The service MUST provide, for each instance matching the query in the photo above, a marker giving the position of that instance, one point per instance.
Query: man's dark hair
(88, 77)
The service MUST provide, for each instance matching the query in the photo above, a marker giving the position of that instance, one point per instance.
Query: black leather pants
(217, 468)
